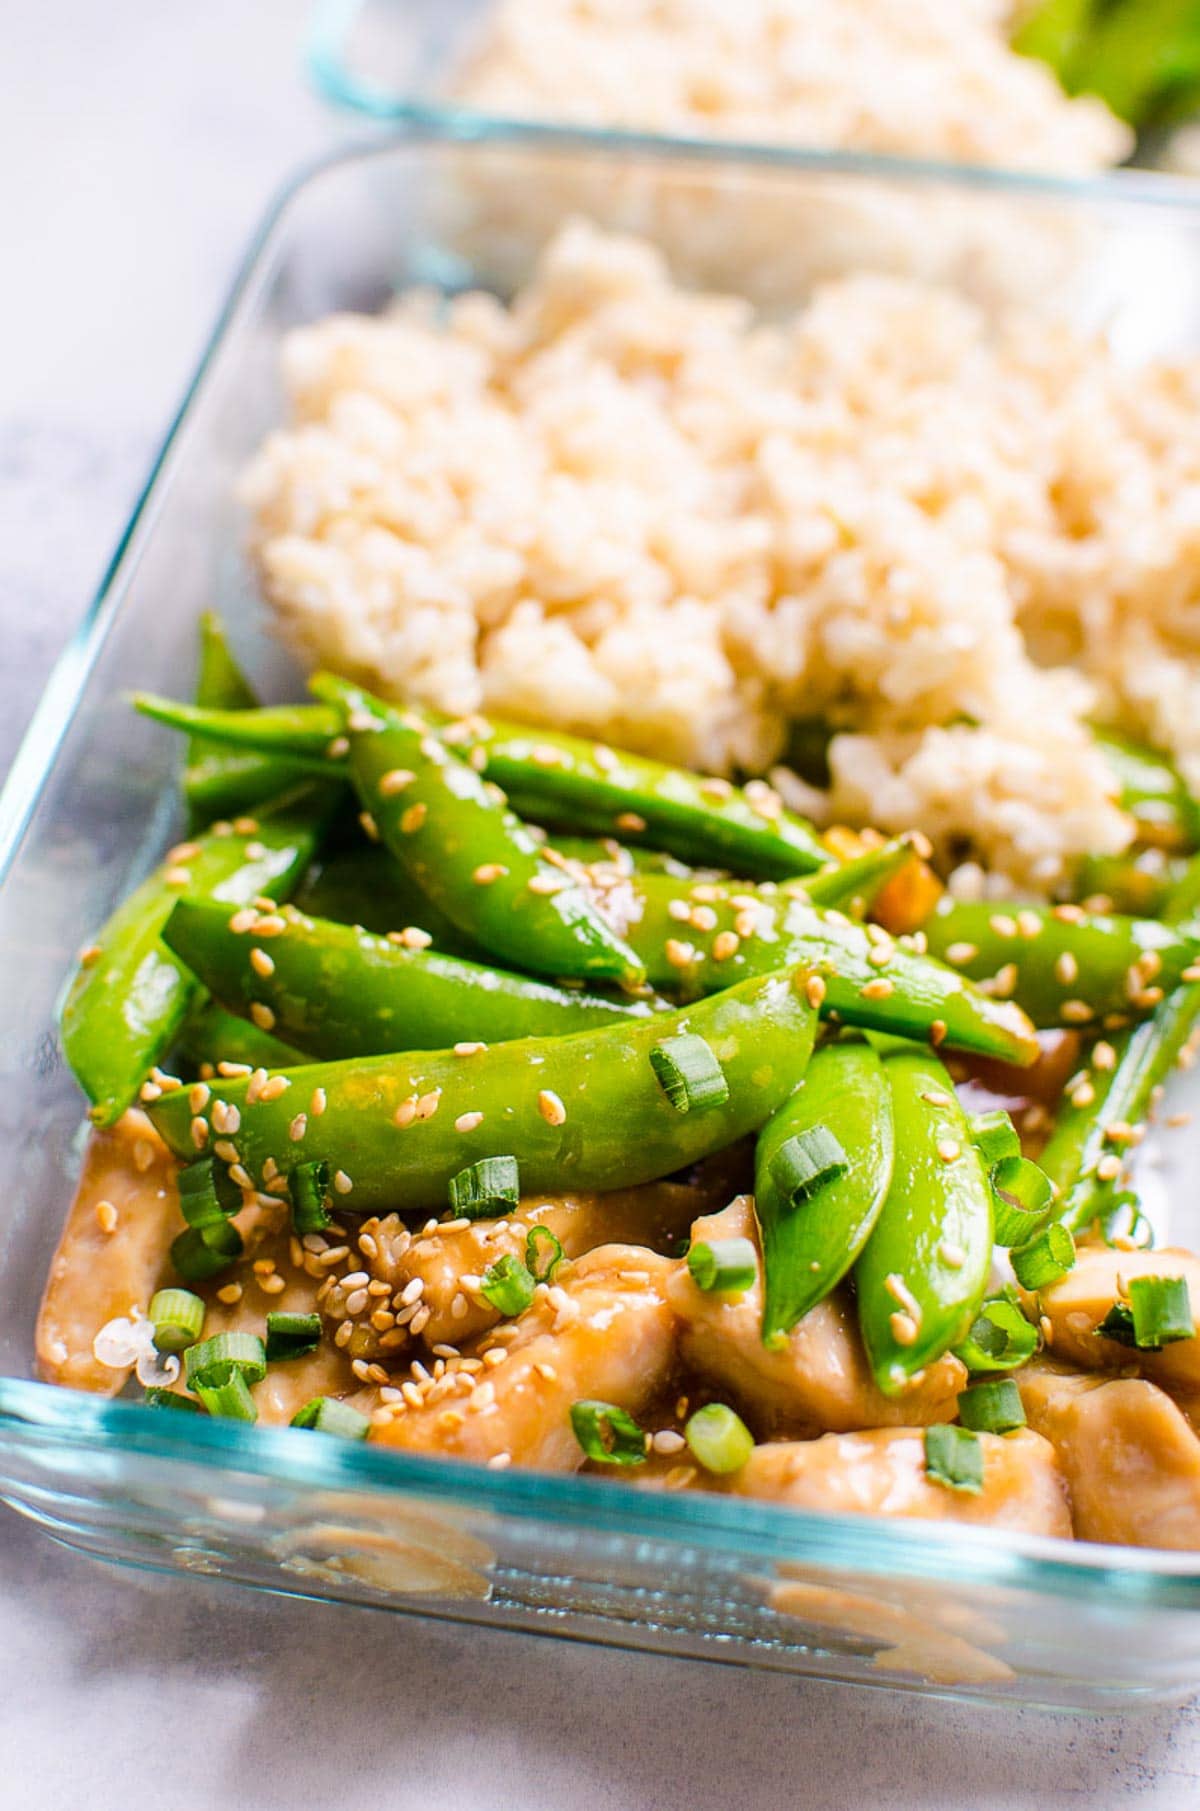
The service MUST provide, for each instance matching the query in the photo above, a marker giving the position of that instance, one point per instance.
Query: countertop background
(139, 142)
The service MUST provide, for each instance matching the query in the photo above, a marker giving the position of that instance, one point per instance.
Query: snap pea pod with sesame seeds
(922, 1273)
(1101, 1114)
(1061, 965)
(581, 1110)
(562, 779)
(212, 1035)
(468, 853)
(336, 990)
(808, 1245)
(219, 781)
(366, 885)
(1137, 883)
(126, 1003)
(694, 940)
(1152, 790)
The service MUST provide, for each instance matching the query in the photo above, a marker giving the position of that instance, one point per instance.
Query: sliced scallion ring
(507, 1285)
(804, 1164)
(688, 1073)
(227, 1395)
(954, 1457)
(201, 1252)
(309, 1188)
(242, 1352)
(543, 1253)
(291, 1335)
(485, 1190)
(1162, 1311)
(718, 1438)
(1000, 1339)
(723, 1266)
(177, 1317)
(992, 1408)
(607, 1433)
(994, 1136)
(206, 1195)
(329, 1416)
(1044, 1260)
(1022, 1197)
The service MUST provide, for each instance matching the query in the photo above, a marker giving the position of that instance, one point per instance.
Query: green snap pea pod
(338, 991)
(220, 781)
(696, 939)
(1152, 790)
(591, 851)
(585, 1110)
(212, 1035)
(923, 1271)
(469, 854)
(366, 885)
(854, 886)
(565, 780)
(130, 995)
(1084, 1155)
(809, 1245)
(1064, 967)
(1138, 883)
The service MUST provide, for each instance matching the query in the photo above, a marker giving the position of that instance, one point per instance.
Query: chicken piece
(113, 1253)
(1130, 1457)
(449, 1262)
(1078, 1303)
(603, 1332)
(816, 1381)
(882, 1472)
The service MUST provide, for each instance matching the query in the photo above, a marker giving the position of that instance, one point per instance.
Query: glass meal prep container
(92, 802)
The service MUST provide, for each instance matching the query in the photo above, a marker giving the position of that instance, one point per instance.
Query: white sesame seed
(342, 1182)
(467, 1122)
(298, 1128)
(394, 781)
(551, 1108)
(262, 1015)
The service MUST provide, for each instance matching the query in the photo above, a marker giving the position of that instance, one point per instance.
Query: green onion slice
(688, 1073)
(227, 1395)
(724, 1266)
(485, 1190)
(177, 1317)
(170, 1399)
(309, 1187)
(607, 1434)
(206, 1195)
(1022, 1195)
(1045, 1259)
(1162, 1311)
(292, 1335)
(992, 1408)
(204, 1251)
(806, 1163)
(329, 1416)
(954, 1457)
(543, 1253)
(719, 1439)
(994, 1136)
(507, 1285)
(1000, 1339)
(243, 1352)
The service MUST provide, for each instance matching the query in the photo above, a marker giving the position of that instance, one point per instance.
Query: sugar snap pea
(563, 779)
(810, 1243)
(219, 780)
(131, 995)
(336, 990)
(366, 885)
(468, 853)
(922, 1273)
(1062, 965)
(1138, 882)
(694, 939)
(585, 1110)
(211, 1035)
(1152, 790)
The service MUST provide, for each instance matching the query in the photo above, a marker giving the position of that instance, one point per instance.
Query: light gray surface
(139, 144)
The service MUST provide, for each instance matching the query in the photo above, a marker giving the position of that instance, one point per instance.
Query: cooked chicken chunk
(1130, 1456)
(604, 1332)
(819, 1379)
(112, 1255)
(882, 1472)
(1076, 1306)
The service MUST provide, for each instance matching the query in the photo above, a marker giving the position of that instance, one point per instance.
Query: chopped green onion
(239, 1351)
(485, 1190)
(227, 1394)
(1162, 1311)
(607, 1434)
(1045, 1259)
(719, 1439)
(329, 1416)
(1000, 1339)
(541, 1265)
(805, 1163)
(954, 1457)
(1022, 1196)
(204, 1251)
(507, 1285)
(688, 1073)
(206, 1195)
(994, 1137)
(992, 1408)
(170, 1399)
(1117, 1325)
(309, 1187)
(177, 1317)
(292, 1335)
(726, 1266)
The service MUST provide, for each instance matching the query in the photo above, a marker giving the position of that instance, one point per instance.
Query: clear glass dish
(91, 801)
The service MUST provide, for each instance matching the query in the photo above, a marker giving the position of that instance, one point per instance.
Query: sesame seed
(468, 1122)
(477, 759)
(962, 952)
(199, 1131)
(551, 1108)
(225, 1150)
(879, 989)
(342, 1182)
(273, 1087)
(678, 954)
(1066, 969)
(1119, 1131)
(262, 1015)
(428, 1104)
(239, 1174)
(746, 922)
(952, 1255)
(1109, 1167)
(469, 1049)
(298, 1127)
(488, 872)
(1002, 983)
(232, 1070)
(229, 1294)
(316, 1105)
(1076, 1012)
(255, 1086)
(631, 821)
(679, 910)
(1082, 1096)
(1029, 923)
(394, 781)
(412, 819)
(405, 1113)
(272, 1285)
(725, 945)
(177, 877)
(89, 955)
(106, 1216)
(546, 884)
(150, 1091)
(949, 1150)
(483, 1396)
(499, 1462)
(904, 1327)
(937, 1033)
(815, 990)
(226, 1118)
(1003, 925)
(344, 1334)
(703, 918)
